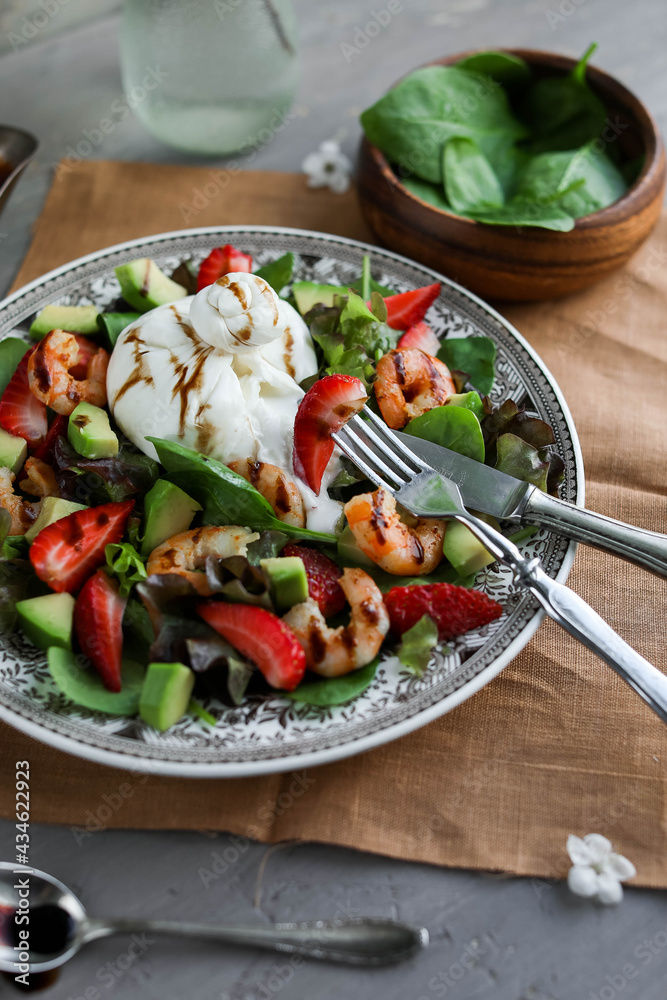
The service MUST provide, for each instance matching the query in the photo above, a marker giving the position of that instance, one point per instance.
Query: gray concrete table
(510, 939)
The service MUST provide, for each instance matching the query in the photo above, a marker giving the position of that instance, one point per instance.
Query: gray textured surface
(527, 940)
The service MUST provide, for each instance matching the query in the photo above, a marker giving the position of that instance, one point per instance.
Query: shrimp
(51, 376)
(276, 486)
(40, 479)
(409, 383)
(332, 652)
(398, 548)
(22, 512)
(185, 554)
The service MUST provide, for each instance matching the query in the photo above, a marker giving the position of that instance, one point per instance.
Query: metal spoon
(65, 927)
(17, 148)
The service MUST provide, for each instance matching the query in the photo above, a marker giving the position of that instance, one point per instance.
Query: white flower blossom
(328, 167)
(597, 872)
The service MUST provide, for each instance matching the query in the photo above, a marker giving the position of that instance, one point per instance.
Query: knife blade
(483, 488)
(489, 491)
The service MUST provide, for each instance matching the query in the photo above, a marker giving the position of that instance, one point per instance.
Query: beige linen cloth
(557, 744)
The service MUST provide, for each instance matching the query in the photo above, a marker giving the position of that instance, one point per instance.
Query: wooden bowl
(504, 262)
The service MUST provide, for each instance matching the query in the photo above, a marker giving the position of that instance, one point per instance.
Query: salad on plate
(178, 531)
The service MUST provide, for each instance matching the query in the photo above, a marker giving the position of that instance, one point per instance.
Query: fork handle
(647, 549)
(576, 617)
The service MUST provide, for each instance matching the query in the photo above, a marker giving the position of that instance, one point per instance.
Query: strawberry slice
(323, 575)
(67, 552)
(98, 623)
(455, 610)
(57, 429)
(260, 636)
(324, 409)
(21, 413)
(420, 336)
(409, 308)
(222, 260)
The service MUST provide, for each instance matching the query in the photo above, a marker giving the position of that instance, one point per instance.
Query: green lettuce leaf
(417, 645)
(519, 459)
(278, 273)
(125, 563)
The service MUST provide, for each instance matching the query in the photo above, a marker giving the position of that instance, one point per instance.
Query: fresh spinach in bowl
(485, 140)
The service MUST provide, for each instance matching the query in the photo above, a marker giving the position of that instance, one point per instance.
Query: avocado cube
(287, 579)
(308, 294)
(13, 451)
(167, 511)
(47, 621)
(89, 432)
(144, 286)
(165, 695)
(74, 319)
(12, 351)
(52, 509)
(464, 550)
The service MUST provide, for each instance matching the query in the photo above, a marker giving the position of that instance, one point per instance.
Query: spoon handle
(367, 941)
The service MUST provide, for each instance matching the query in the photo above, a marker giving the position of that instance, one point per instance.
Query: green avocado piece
(144, 286)
(167, 511)
(52, 509)
(469, 401)
(349, 551)
(12, 351)
(89, 432)
(13, 451)
(111, 325)
(73, 319)
(165, 695)
(308, 294)
(463, 550)
(288, 580)
(47, 621)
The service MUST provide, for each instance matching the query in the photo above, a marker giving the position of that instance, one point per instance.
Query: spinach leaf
(80, 683)
(225, 497)
(367, 284)
(520, 459)
(412, 122)
(417, 645)
(278, 273)
(12, 352)
(335, 690)
(432, 193)
(474, 355)
(526, 213)
(470, 182)
(453, 427)
(194, 708)
(563, 112)
(579, 181)
(508, 70)
(351, 336)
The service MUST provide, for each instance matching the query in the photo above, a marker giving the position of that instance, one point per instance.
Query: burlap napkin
(557, 744)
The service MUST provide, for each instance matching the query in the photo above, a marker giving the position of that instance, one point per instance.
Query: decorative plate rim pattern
(414, 705)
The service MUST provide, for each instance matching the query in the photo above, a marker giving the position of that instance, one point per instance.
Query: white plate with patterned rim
(275, 734)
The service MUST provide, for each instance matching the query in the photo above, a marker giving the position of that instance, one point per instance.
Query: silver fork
(388, 463)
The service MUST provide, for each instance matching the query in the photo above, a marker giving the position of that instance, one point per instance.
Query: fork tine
(358, 443)
(394, 443)
(383, 448)
(350, 449)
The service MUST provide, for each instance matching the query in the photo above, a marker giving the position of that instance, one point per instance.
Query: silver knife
(492, 492)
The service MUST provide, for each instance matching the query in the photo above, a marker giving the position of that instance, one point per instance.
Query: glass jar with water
(224, 71)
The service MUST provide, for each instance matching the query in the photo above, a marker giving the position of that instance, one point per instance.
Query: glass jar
(209, 76)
